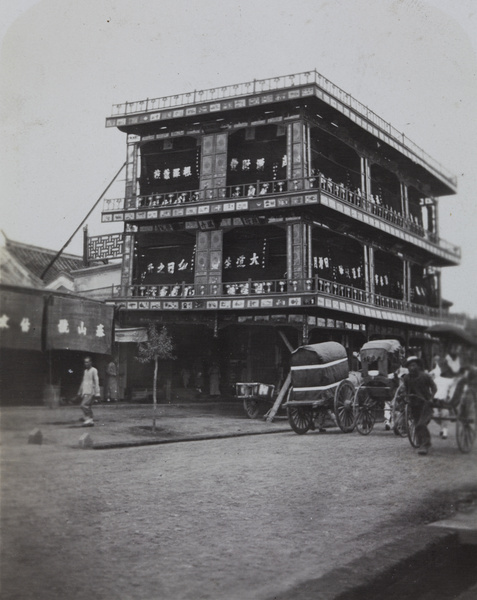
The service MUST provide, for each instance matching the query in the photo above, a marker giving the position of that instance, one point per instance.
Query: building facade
(261, 216)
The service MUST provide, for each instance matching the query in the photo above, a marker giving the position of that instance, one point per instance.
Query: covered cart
(380, 361)
(319, 385)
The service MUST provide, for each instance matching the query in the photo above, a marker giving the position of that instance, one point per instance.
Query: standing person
(88, 389)
(185, 374)
(445, 374)
(214, 379)
(112, 383)
(421, 388)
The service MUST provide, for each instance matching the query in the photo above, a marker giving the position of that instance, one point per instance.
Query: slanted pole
(281, 395)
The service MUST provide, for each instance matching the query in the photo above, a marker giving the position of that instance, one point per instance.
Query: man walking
(421, 388)
(88, 389)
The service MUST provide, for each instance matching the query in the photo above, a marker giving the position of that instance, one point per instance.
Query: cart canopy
(385, 353)
(317, 369)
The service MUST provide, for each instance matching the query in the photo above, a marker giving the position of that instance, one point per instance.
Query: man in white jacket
(88, 389)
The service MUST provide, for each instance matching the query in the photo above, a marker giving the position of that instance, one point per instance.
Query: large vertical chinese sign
(21, 319)
(78, 324)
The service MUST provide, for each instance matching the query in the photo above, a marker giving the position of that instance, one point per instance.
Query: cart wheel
(344, 406)
(465, 425)
(398, 415)
(252, 407)
(300, 418)
(410, 426)
(366, 414)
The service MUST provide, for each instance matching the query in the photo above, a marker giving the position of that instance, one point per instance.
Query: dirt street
(241, 518)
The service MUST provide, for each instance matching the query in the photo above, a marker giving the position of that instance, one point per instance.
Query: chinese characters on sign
(78, 324)
(20, 320)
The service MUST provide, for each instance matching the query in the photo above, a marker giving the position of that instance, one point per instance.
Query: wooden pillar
(298, 252)
(365, 176)
(404, 200)
(213, 165)
(131, 170)
(127, 262)
(368, 252)
(296, 155)
(208, 262)
(435, 214)
(130, 202)
(407, 282)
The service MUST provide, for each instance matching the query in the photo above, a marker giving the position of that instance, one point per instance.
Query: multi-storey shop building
(261, 216)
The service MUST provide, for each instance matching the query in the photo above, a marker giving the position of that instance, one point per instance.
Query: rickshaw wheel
(300, 418)
(465, 425)
(344, 406)
(398, 415)
(411, 426)
(366, 414)
(252, 407)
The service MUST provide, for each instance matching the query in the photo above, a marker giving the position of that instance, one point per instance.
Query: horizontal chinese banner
(21, 316)
(77, 324)
(130, 335)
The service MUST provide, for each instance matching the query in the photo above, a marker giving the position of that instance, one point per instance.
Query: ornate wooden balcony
(273, 195)
(282, 294)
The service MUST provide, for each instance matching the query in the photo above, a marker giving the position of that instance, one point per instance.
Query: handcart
(380, 361)
(319, 387)
(255, 397)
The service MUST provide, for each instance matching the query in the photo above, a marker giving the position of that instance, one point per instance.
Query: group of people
(429, 391)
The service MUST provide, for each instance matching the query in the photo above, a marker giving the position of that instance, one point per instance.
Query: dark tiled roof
(36, 259)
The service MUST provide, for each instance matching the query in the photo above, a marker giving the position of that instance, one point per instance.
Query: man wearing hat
(421, 388)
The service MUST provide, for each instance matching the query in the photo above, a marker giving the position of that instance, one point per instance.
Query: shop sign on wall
(21, 316)
(78, 324)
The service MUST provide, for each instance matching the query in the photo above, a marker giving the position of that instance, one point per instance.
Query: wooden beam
(285, 341)
(281, 395)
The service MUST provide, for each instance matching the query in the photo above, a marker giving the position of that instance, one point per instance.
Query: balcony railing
(276, 287)
(273, 84)
(372, 205)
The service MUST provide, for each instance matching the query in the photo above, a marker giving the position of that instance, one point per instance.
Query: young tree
(159, 346)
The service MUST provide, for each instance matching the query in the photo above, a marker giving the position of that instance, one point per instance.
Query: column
(213, 165)
(365, 176)
(404, 200)
(298, 254)
(369, 272)
(296, 158)
(130, 202)
(208, 263)
(131, 170)
(128, 261)
(407, 283)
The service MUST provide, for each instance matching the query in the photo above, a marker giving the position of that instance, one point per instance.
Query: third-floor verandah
(264, 91)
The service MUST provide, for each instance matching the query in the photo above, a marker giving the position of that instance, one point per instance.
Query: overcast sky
(63, 63)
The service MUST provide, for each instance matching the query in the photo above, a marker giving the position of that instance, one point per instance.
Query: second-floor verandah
(352, 205)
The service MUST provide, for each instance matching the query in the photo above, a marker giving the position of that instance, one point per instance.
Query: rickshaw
(380, 361)
(461, 406)
(319, 386)
(461, 409)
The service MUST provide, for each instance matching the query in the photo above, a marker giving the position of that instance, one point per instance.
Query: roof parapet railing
(273, 84)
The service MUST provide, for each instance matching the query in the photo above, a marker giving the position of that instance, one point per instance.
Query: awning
(130, 335)
(21, 316)
(78, 324)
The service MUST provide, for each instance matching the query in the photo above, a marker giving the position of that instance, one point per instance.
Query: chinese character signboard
(77, 324)
(21, 316)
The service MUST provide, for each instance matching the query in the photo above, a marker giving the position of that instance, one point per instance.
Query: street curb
(196, 438)
(372, 573)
